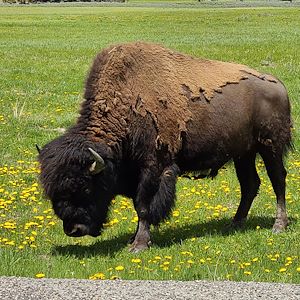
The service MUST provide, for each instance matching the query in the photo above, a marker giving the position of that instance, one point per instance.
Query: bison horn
(38, 148)
(98, 165)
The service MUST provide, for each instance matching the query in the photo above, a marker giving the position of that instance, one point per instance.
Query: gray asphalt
(54, 289)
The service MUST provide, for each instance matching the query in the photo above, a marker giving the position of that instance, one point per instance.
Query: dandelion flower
(40, 275)
(282, 270)
(119, 268)
(267, 270)
(175, 213)
(100, 276)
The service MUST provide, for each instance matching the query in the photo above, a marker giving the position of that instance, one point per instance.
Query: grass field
(45, 53)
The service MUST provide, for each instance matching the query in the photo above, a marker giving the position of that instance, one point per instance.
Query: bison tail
(164, 200)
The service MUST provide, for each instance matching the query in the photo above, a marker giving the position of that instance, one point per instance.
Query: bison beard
(151, 114)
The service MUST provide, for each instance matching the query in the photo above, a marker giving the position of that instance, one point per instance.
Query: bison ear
(98, 165)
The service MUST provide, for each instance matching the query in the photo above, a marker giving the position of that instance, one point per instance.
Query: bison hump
(149, 79)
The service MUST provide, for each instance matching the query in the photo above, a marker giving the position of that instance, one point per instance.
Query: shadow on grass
(165, 237)
(100, 248)
(221, 227)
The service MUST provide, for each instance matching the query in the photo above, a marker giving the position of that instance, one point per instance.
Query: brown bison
(151, 114)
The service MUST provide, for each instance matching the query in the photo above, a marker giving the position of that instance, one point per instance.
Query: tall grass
(45, 53)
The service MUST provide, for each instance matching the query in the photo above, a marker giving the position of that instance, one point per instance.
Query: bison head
(77, 176)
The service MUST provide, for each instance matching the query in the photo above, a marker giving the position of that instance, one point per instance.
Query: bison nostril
(77, 230)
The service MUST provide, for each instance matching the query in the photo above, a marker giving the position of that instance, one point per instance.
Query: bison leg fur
(277, 174)
(142, 239)
(249, 183)
(153, 208)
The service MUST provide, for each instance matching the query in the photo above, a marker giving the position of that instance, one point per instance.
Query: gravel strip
(54, 289)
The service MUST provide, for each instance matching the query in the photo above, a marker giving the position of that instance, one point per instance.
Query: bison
(150, 114)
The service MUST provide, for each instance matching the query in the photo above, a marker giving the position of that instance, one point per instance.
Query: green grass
(45, 53)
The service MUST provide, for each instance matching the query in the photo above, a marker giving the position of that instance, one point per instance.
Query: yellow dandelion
(40, 275)
(134, 219)
(282, 270)
(267, 270)
(10, 243)
(119, 268)
(175, 213)
(96, 276)
(136, 260)
(215, 215)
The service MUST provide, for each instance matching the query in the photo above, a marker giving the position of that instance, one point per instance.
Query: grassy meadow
(45, 53)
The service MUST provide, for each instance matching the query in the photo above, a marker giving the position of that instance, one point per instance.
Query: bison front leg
(249, 182)
(154, 201)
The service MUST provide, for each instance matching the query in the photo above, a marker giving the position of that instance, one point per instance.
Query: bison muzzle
(150, 114)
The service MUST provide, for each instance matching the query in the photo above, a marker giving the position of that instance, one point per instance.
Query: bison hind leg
(249, 183)
(276, 171)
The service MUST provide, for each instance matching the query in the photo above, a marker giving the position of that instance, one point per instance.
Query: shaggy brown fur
(151, 114)
(148, 78)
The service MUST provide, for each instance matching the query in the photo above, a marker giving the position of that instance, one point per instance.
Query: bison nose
(77, 230)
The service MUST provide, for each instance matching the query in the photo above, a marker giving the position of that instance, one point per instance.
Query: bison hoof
(238, 224)
(138, 247)
(131, 239)
(279, 226)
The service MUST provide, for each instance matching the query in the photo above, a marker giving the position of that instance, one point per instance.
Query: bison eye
(87, 191)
